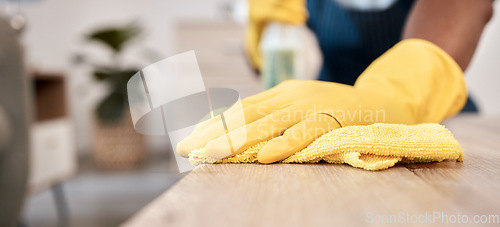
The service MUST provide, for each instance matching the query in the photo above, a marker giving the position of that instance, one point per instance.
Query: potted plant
(117, 145)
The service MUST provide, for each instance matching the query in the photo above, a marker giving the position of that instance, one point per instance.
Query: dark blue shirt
(350, 39)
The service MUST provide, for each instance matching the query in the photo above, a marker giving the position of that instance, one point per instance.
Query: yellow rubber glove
(413, 82)
(261, 12)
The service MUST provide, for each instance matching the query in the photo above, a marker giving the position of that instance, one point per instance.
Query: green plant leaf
(115, 37)
(103, 75)
(114, 76)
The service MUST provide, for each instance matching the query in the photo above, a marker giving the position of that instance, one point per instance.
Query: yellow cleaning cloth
(373, 147)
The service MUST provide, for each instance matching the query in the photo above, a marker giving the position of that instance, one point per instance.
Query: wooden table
(340, 195)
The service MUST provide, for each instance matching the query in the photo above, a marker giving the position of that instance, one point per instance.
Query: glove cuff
(420, 80)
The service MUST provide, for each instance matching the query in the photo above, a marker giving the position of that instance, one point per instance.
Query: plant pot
(118, 145)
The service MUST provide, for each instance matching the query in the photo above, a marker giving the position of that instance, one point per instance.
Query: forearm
(453, 25)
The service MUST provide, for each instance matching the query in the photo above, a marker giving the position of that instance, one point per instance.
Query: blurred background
(76, 55)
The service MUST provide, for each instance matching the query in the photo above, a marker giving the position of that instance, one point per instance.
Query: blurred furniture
(340, 195)
(220, 53)
(14, 139)
(53, 152)
(52, 147)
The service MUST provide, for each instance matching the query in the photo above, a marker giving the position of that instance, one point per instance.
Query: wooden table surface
(340, 195)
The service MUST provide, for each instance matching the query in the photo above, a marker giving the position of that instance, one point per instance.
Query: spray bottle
(282, 47)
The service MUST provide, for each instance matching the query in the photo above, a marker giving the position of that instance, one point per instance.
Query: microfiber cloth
(372, 147)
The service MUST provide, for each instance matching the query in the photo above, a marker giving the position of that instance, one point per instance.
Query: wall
(483, 75)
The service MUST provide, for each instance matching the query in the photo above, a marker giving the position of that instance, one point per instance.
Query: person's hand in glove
(262, 12)
(414, 82)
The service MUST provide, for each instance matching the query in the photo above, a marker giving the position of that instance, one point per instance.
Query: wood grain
(327, 195)
(473, 185)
